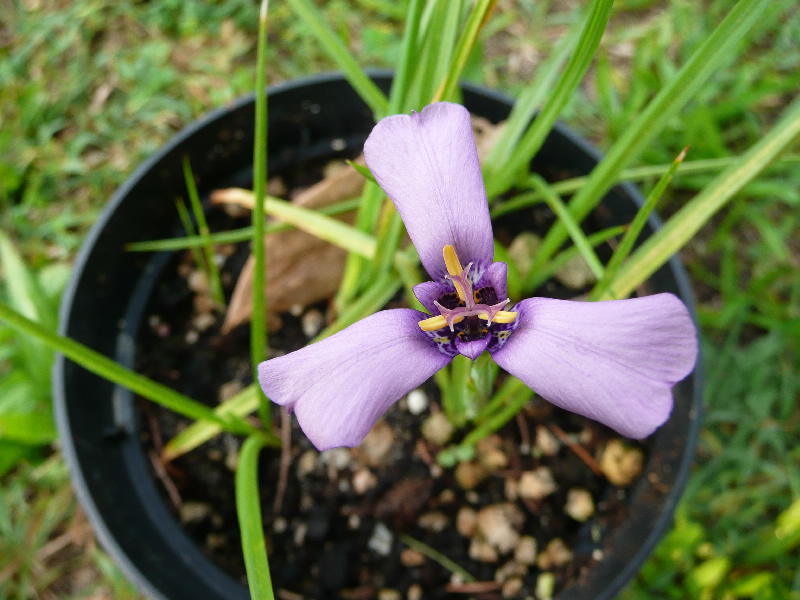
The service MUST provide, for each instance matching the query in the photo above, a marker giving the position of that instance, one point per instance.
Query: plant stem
(258, 321)
(248, 511)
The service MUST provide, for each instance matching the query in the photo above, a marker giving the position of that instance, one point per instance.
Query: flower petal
(340, 386)
(495, 276)
(614, 362)
(474, 348)
(428, 291)
(428, 165)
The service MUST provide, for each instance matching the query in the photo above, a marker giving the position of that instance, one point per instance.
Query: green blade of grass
(343, 58)
(362, 170)
(110, 370)
(199, 432)
(635, 229)
(27, 297)
(191, 231)
(595, 24)
(374, 298)
(366, 219)
(438, 557)
(531, 98)
(687, 221)
(436, 43)
(558, 261)
(212, 270)
(575, 232)
(248, 511)
(500, 409)
(717, 49)
(466, 43)
(323, 227)
(409, 50)
(568, 186)
(233, 236)
(258, 320)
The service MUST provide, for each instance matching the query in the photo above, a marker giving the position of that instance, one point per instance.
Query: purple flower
(614, 362)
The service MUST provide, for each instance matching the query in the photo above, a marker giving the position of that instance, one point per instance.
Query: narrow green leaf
(532, 140)
(568, 186)
(110, 370)
(575, 232)
(248, 511)
(23, 290)
(191, 232)
(199, 432)
(436, 43)
(717, 49)
(535, 279)
(466, 43)
(368, 211)
(258, 320)
(530, 99)
(438, 557)
(500, 409)
(27, 297)
(687, 221)
(33, 428)
(333, 46)
(212, 270)
(373, 299)
(324, 227)
(362, 170)
(635, 229)
(459, 389)
(233, 236)
(409, 48)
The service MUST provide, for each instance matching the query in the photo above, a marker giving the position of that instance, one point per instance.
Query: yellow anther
(504, 316)
(451, 260)
(453, 267)
(437, 322)
(433, 323)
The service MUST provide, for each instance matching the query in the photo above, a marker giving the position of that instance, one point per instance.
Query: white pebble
(381, 540)
(417, 401)
(312, 322)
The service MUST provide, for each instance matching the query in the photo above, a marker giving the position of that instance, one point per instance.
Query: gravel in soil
(524, 518)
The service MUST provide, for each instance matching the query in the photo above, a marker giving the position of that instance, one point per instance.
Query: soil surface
(524, 518)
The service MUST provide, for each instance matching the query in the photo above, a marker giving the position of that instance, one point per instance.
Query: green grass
(89, 88)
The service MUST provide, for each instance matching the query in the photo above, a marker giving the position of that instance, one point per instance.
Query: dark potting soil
(347, 523)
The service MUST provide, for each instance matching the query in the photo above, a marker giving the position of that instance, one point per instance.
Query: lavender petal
(428, 165)
(339, 387)
(614, 362)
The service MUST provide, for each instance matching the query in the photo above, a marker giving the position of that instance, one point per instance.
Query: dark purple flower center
(471, 319)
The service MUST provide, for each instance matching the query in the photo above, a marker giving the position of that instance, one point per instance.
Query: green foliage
(112, 81)
(26, 416)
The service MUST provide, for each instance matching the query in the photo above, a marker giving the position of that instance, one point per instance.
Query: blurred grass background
(89, 88)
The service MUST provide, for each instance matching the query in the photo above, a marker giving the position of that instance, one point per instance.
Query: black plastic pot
(310, 119)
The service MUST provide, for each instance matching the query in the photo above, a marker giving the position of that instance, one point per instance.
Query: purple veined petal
(495, 276)
(340, 386)
(428, 291)
(614, 362)
(427, 163)
(474, 348)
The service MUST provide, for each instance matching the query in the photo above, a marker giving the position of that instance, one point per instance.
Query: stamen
(433, 323)
(451, 260)
(454, 269)
(505, 316)
(449, 317)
